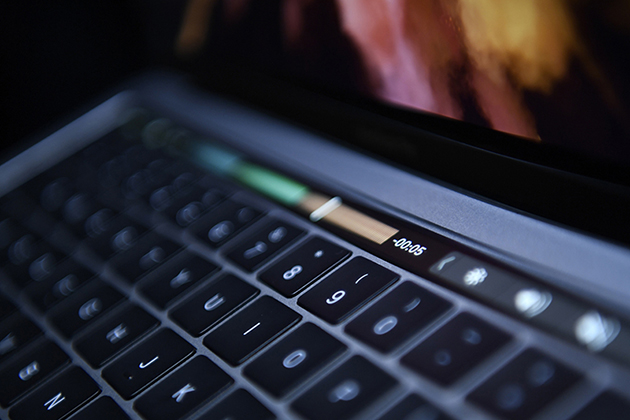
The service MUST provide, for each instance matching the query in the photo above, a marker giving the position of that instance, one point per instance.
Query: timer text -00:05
(407, 245)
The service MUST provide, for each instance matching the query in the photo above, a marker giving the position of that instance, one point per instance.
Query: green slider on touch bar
(265, 181)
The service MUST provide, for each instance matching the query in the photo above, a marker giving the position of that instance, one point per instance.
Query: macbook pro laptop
(339, 210)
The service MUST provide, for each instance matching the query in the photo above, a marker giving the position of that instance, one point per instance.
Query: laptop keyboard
(138, 286)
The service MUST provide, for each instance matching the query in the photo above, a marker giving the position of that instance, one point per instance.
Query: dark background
(58, 55)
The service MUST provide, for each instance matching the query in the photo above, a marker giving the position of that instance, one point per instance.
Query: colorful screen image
(552, 71)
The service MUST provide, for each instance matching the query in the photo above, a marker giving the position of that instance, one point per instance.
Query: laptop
(341, 210)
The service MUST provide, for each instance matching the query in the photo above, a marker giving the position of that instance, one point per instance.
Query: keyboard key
(455, 349)
(224, 222)
(607, 406)
(525, 386)
(10, 231)
(6, 308)
(58, 398)
(347, 289)
(147, 362)
(183, 391)
(397, 316)
(29, 369)
(83, 307)
(146, 254)
(250, 330)
(240, 405)
(345, 392)
(65, 280)
(208, 306)
(254, 250)
(292, 360)
(15, 332)
(109, 235)
(174, 277)
(414, 408)
(31, 260)
(118, 332)
(192, 203)
(102, 409)
(302, 266)
(76, 211)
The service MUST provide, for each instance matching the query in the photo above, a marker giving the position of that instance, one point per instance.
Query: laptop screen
(524, 99)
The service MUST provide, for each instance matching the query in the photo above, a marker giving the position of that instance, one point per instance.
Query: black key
(147, 362)
(102, 409)
(254, 250)
(414, 408)
(213, 303)
(54, 194)
(526, 385)
(240, 405)
(83, 307)
(118, 332)
(6, 308)
(29, 369)
(15, 332)
(143, 256)
(397, 316)
(295, 358)
(189, 205)
(67, 277)
(109, 235)
(250, 330)
(174, 277)
(455, 349)
(347, 289)
(302, 266)
(224, 222)
(57, 398)
(345, 392)
(183, 391)
(76, 211)
(31, 261)
(607, 406)
(10, 231)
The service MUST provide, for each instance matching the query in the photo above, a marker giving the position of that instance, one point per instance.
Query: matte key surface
(607, 406)
(347, 289)
(118, 332)
(174, 277)
(29, 369)
(57, 398)
(183, 391)
(250, 330)
(414, 408)
(345, 392)
(525, 386)
(240, 405)
(292, 360)
(15, 332)
(254, 250)
(397, 316)
(65, 280)
(146, 254)
(224, 222)
(210, 305)
(145, 363)
(102, 409)
(455, 349)
(84, 307)
(302, 266)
